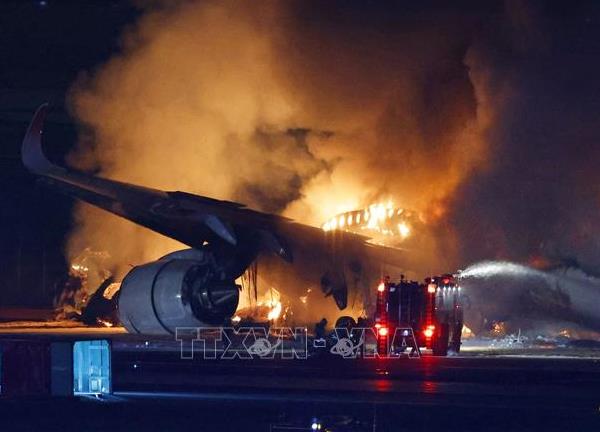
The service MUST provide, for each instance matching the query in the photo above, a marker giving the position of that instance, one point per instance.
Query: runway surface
(155, 389)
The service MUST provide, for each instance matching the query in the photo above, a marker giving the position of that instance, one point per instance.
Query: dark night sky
(45, 46)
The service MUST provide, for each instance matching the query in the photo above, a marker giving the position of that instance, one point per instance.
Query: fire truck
(432, 309)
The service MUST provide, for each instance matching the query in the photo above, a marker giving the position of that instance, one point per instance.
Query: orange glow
(431, 288)
(241, 46)
(403, 229)
(467, 332)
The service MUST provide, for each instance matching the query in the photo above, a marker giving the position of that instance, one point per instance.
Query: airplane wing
(237, 234)
(188, 218)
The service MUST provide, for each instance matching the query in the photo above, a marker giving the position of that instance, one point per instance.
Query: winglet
(31, 152)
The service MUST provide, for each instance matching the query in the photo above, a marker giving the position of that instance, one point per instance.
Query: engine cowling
(158, 297)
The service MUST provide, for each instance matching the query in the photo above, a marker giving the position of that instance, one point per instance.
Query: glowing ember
(269, 306)
(498, 328)
(105, 323)
(467, 333)
(111, 290)
(275, 311)
(79, 268)
(565, 333)
(86, 272)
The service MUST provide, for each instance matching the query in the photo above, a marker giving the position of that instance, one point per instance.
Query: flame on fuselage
(380, 218)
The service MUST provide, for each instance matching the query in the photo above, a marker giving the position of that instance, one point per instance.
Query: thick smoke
(474, 116)
(539, 199)
(301, 108)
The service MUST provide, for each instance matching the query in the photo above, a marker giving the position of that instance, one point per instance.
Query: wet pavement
(155, 389)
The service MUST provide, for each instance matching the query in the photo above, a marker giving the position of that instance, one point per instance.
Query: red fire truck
(432, 309)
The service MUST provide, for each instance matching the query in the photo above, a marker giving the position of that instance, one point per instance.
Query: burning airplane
(315, 272)
(197, 286)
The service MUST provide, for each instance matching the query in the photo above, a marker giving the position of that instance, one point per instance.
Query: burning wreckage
(197, 286)
(320, 272)
(90, 292)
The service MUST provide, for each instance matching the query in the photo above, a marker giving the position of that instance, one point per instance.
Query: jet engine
(182, 289)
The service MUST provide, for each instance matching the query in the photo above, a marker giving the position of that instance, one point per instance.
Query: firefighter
(320, 329)
(320, 341)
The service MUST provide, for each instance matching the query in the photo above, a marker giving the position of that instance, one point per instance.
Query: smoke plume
(538, 200)
(311, 108)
